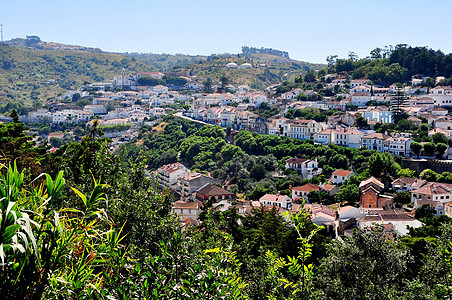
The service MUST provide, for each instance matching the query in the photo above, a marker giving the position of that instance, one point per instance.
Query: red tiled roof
(307, 188)
(329, 187)
(380, 136)
(435, 188)
(409, 181)
(272, 197)
(296, 160)
(187, 205)
(343, 173)
(212, 190)
(371, 180)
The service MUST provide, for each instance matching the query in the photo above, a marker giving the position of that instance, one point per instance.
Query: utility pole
(1, 29)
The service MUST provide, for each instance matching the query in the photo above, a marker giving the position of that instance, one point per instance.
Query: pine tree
(398, 103)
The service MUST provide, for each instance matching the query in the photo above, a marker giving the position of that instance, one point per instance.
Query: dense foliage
(32, 77)
(395, 64)
(95, 228)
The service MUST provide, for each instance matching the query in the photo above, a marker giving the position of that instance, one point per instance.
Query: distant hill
(30, 76)
(266, 69)
(34, 41)
(166, 62)
(33, 72)
(252, 50)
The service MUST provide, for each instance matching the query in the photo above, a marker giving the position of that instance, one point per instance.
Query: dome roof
(247, 65)
(231, 65)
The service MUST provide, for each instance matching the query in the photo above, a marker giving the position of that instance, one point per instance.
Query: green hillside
(29, 77)
(33, 73)
(267, 69)
(166, 62)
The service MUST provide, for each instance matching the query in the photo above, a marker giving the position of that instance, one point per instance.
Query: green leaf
(80, 194)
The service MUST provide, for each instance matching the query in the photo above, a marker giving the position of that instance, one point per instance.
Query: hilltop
(266, 69)
(29, 77)
(34, 72)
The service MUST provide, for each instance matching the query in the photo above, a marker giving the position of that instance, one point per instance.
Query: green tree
(435, 273)
(382, 165)
(56, 142)
(365, 266)
(441, 148)
(361, 122)
(76, 97)
(347, 193)
(405, 125)
(416, 148)
(439, 138)
(428, 175)
(258, 172)
(63, 252)
(208, 85)
(445, 177)
(425, 211)
(313, 197)
(229, 151)
(402, 198)
(310, 76)
(78, 131)
(298, 281)
(15, 116)
(429, 149)
(407, 173)
(430, 82)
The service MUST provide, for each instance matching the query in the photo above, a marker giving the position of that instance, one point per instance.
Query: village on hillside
(357, 114)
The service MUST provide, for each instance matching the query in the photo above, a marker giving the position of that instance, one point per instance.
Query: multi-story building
(301, 129)
(360, 98)
(210, 190)
(168, 175)
(191, 182)
(342, 136)
(407, 184)
(307, 168)
(187, 210)
(433, 193)
(96, 109)
(380, 114)
(374, 141)
(398, 145)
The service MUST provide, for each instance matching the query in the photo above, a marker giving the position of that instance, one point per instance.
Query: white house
(374, 141)
(397, 222)
(168, 174)
(398, 145)
(380, 114)
(357, 82)
(301, 129)
(432, 193)
(187, 210)
(339, 176)
(360, 98)
(277, 200)
(307, 168)
(96, 109)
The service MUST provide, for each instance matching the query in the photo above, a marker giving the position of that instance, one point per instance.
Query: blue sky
(308, 30)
